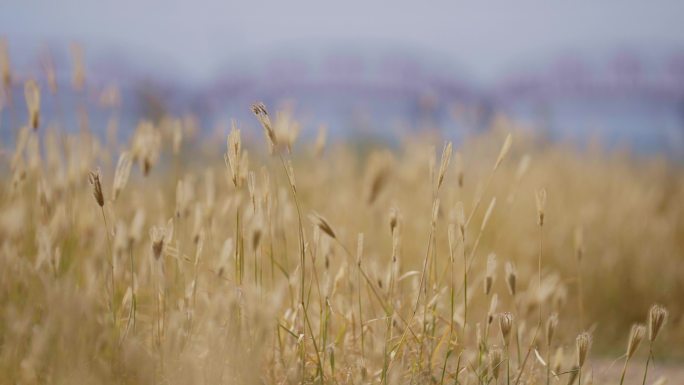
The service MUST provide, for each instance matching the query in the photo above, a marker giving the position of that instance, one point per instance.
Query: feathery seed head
(495, 360)
(259, 110)
(505, 324)
(121, 174)
(635, 336)
(446, 157)
(582, 345)
(393, 219)
(322, 224)
(511, 277)
(161, 236)
(146, 146)
(657, 317)
(233, 155)
(157, 242)
(492, 309)
(94, 178)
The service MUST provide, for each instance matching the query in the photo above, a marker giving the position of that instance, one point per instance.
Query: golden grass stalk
(506, 325)
(94, 178)
(579, 253)
(233, 156)
(636, 334)
(444, 164)
(582, 346)
(657, 316)
(541, 207)
(259, 110)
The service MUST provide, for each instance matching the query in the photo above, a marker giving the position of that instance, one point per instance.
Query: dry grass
(240, 270)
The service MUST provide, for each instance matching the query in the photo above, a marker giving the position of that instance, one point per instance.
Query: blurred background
(612, 72)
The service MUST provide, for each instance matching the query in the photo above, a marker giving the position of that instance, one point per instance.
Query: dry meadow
(272, 258)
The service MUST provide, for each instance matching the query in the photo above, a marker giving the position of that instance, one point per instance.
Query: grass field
(167, 258)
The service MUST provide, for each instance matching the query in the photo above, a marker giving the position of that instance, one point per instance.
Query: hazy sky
(485, 36)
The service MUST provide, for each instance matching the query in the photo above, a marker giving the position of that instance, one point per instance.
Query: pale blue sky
(485, 36)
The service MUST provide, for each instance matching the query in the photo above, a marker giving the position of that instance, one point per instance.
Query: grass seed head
(94, 178)
(495, 361)
(233, 155)
(657, 317)
(259, 110)
(322, 224)
(121, 174)
(505, 324)
(393, 219)
(636, 335)
(160, 236)
(582, 345)
(511, 278)
(146, 146)
(444, 165)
